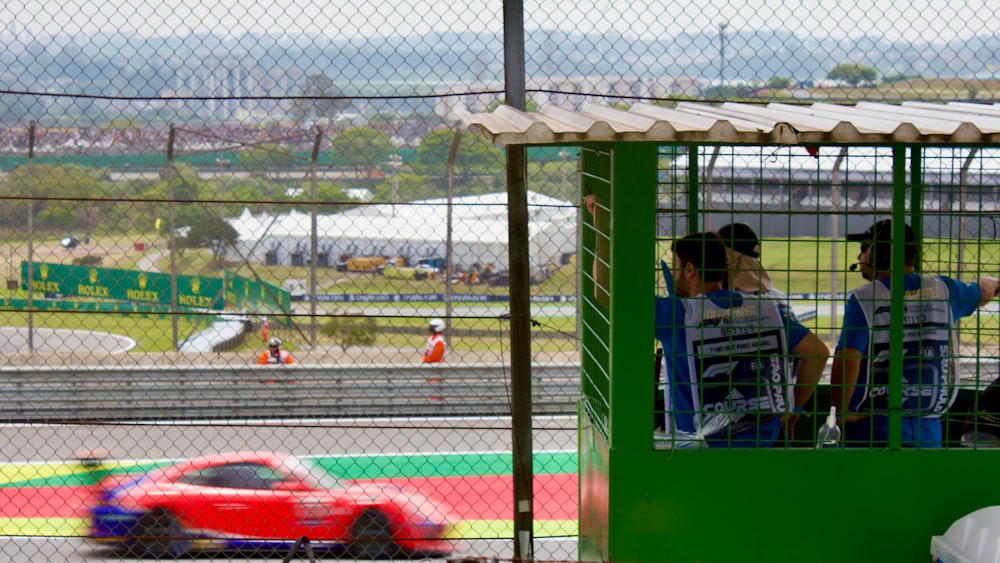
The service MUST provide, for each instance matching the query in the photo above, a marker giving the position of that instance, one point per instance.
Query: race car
(263, 501)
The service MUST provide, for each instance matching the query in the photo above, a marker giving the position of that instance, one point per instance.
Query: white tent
(415, 230)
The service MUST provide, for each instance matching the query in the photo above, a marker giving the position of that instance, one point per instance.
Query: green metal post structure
(639, 504)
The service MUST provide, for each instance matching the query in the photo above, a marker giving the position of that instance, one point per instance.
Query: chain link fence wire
(184, 183)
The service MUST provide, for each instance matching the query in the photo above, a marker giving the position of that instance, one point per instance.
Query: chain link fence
(190, 191)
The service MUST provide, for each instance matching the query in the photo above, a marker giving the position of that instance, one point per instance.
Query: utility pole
(395, 163)
(171, 242)
(313, 238)
(520, 287)
(722, 53)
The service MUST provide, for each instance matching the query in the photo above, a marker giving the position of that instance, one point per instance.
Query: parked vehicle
(437, 264)
(263, 500)
(427, 269)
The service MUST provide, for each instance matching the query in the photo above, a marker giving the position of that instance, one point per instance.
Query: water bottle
(829, 434)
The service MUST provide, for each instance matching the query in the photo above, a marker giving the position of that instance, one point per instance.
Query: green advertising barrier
(123, 285)
(53, 305)
(256, 296)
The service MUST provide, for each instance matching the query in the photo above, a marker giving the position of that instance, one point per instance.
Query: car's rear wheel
(161, 535)
(371, 536)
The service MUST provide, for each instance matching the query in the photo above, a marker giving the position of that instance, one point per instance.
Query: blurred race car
(263, 501)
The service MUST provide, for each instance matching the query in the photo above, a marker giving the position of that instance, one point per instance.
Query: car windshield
(312, 473)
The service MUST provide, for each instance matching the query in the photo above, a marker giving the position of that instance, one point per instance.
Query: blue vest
(737, 365)
(930, 370)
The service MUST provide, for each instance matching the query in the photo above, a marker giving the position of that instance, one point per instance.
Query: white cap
(831, 419)
(437, 325)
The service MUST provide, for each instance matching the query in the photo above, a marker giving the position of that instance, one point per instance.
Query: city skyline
(237, 74)
(929, 20)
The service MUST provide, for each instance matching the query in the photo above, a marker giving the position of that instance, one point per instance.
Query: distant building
(449, 107)
(568, 92)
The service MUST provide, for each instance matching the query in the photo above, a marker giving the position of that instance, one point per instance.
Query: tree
(779, 82)
(214, 233)
(475, 154)
(409, 187)
(362, 148)
(724, 92)
(268, 156)
(900, 77)
(61, 195)
(330, 197)
(188, 190)
(238, 193)
(477, 163)
(321, 100)
(347, 331)
(852, 73)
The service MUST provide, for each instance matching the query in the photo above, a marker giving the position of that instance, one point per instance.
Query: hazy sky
(892, 19)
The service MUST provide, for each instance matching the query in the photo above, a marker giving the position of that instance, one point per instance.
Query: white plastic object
(828, 435)
(973, 538)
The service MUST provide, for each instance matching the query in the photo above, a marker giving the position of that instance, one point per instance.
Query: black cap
(741, 238)
(881, 231)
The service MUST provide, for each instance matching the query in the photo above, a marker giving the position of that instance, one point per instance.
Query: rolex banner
(256, 295)
(123, 285)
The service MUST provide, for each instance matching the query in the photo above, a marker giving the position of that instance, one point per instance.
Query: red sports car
(263, 501)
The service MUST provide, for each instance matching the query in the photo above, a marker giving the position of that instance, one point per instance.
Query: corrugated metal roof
(866, 123)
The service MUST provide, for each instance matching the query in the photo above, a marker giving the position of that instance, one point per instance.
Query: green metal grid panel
(632, 246)
(595, 320)
(624, 177)
(726, 505)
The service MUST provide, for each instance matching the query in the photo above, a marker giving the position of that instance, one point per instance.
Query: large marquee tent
(415, 230)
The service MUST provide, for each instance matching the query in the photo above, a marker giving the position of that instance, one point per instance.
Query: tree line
(87, 199)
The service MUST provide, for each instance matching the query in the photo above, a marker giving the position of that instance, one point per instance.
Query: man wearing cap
(434, 352)
(932, 307)
(745, 271)
(746, 274)
(728, 352)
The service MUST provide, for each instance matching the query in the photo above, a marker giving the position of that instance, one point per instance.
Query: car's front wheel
(371, 536)
(161, 535)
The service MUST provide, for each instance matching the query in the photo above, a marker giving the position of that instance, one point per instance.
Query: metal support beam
(898, 262)
(171, 243)
(520, 349)
(520, 305)
(313, 238)
(31, 237)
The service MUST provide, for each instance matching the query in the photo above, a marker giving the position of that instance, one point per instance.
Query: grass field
(797, 266)
(152, 333)
(929, 89)
(807, 265)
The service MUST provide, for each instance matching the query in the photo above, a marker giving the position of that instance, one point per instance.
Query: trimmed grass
(152, 333)
(797, 266)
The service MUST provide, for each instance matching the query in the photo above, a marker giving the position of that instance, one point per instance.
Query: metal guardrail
(136, 393)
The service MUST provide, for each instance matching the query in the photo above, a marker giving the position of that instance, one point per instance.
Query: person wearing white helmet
(274, 354)
(434, 353)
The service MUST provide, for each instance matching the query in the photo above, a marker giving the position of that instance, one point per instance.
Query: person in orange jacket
(274, 354)
(434, 353)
